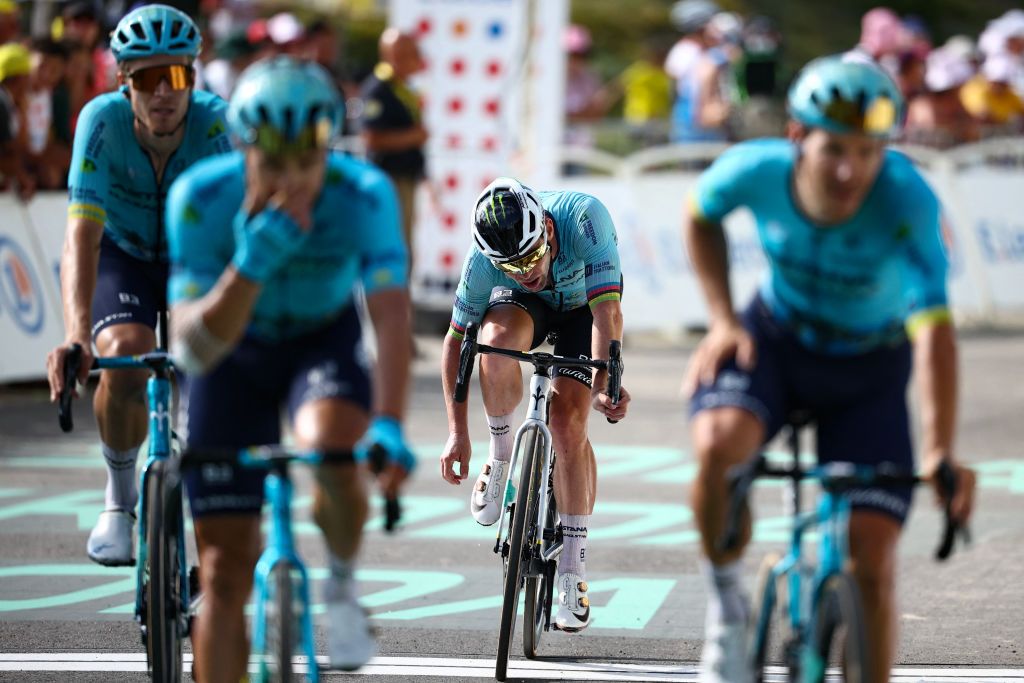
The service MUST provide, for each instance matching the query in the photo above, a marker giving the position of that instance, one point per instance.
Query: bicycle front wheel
(538, 588)
(518, 548)
(162, 588)
(280, 625)
(838, 635)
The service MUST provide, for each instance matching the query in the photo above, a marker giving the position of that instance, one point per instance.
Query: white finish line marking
(484, 668)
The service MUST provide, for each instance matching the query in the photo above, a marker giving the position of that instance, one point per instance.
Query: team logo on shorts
(500, 293)
(730, 380)
(21, 295)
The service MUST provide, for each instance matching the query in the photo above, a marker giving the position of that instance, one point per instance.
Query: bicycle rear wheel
(838, 635)
(772, 636)
(280, 627)
(518, 549)
(162, 588)
(538, 588)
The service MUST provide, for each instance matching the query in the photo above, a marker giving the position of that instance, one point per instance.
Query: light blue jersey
(585, 271)
(843, 288)
(356, 237)
(112, 180)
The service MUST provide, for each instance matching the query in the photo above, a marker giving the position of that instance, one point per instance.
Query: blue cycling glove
(386, 433)
(264, 242)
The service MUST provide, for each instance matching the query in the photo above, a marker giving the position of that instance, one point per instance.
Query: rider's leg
(506, 326)
(228, 549)
(121, 412)
(575, 491)
(873, 539)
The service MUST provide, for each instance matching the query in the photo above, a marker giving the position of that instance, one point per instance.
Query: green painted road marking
(83, 505)
(633, 603)
(125, 583)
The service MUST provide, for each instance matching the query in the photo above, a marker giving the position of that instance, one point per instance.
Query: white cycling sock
(502, 437)
(726, 600)
(573, 559)
(122, 490)
(343, 572)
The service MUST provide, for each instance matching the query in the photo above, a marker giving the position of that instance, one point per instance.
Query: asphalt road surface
(434, 587)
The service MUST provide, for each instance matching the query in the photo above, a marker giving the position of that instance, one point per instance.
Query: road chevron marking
(484, 668)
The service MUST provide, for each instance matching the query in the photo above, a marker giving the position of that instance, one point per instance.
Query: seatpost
(794, 446)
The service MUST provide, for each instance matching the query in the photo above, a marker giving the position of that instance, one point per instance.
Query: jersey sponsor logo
(588, 230)
(216, 129)
(191, 214)
(21, 295)
(95, 144)
(88, 165)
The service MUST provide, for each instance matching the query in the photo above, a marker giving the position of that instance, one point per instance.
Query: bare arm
(390, 312)
(223, 312)
(708, 251)
(607, 326)
(458, 413)
(935, 366)
(79, 263)
(714, 108)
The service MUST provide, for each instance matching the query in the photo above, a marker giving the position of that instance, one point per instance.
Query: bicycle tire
(517, 542)
(538, 589)
(162, 588)
(279, 625)
(838, 613)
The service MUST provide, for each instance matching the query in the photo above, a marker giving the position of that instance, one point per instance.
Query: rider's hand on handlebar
(963, 498)
(723, 341)
(602, 403)
(55, 366)
(457, 451)
(385, 433)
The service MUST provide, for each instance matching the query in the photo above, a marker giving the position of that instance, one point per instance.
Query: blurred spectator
(10, 21)
(762, 113)
(286, 33)
(15, 67)
(233, 54)
(1005, 36)
(647, 94)
(80, 22)
(324, 46)
(883, 37)
(717, 91)
(691, 19)
(584, 94)
(48, 157)
(989, 96)
(77, 88)
(910, 72)
(393, 129)
(937, 117)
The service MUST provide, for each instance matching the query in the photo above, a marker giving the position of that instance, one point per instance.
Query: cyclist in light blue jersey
(543, 266)
(129, 147)
(267, 245)
(855, 295)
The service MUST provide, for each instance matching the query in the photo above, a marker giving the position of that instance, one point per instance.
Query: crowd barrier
(981, 187)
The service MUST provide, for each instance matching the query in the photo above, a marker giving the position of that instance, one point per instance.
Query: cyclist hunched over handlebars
(542, 266)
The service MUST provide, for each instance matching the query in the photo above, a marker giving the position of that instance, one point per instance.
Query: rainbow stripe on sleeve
(456, 330)
(608, 291)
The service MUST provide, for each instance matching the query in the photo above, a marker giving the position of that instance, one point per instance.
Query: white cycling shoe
(488, 493)
(350, 641)
(573, 604)
(724, 657)
(110, 542)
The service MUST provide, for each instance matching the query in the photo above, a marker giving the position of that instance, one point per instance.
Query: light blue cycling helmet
(282, 104)
(155, 30)
(846, 94)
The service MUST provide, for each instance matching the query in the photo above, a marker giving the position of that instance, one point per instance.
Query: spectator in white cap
(937, 117)
(990, 98)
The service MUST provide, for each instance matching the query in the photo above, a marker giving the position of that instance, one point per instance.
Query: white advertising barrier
(30, 312)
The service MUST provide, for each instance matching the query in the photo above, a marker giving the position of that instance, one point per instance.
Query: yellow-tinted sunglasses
(524, 265)
(876, 118)
(178, 77)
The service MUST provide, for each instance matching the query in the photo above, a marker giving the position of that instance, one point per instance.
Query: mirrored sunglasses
(524, 265)
(178, 77)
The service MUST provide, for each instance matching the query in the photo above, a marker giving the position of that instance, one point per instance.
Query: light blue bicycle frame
(280, 547)
(158, 396)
